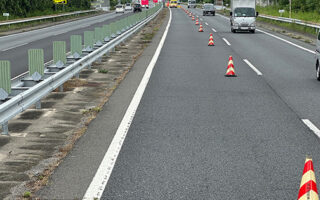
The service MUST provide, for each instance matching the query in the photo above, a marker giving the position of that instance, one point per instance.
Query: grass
(103, 71)
(290, 26)
(305, 16)
(27, 194)
(92, 110)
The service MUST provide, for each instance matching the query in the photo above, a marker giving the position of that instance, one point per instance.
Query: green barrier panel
(36, 63)
(113, 31)
(5, 79)
(106, 33)
(98, 36)
(118, 27)
(59, 53)
(76, 45)
(88, 40)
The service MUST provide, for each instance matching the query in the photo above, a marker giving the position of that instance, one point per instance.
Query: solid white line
(312, 127)
(214, 30)
(293, 44)
(20, 45)
(226, 41)
(104, 171)
(252, 67)
(207, 24)
(279, 38)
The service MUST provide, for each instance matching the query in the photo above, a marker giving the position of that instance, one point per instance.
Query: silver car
(318, 57)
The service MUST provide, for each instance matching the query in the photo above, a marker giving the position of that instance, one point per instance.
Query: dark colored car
(208, 9)
(137, 7)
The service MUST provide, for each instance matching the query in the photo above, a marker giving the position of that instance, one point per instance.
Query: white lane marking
(60, 33)
(312, 127)
(201, 19)
(214, 30)
(284, 40)
(226, 41)
(279, 38)
(20, 45)
(207, 24)
(104, 171)
(223, 17)
(252, 67)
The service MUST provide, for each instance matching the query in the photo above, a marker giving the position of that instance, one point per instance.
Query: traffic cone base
(308, 187)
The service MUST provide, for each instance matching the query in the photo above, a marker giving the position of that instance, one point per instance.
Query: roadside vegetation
(26, 8)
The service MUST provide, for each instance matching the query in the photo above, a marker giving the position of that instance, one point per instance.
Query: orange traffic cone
(211, 42)
(230, 69)
(200, 28)
(197, 21)
(192, 18)
(308, 186)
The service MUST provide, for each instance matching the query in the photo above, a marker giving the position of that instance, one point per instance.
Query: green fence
(5, 81)
(36, 63)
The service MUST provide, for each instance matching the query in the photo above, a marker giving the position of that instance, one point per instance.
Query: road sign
(281, 11)
(144, 2)
(60, 1)
(6, 14)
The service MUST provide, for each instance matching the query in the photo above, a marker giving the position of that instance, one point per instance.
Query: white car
(318, 57)
(119, 9)
(128, 7)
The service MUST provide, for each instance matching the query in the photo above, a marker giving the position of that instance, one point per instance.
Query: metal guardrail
(44, 18)
(290, 20)
(30, 95)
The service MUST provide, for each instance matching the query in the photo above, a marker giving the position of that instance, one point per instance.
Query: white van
(318, 57)
(191, 4)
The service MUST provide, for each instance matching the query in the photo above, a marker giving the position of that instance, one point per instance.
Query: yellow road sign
(60, 1)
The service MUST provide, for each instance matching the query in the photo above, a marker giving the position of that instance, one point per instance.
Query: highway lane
(14, 47)
(200, 135)
(289, 70)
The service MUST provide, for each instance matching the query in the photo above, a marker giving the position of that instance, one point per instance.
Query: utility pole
(290, 8)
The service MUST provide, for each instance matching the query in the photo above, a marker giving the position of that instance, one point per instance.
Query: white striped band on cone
(308, 187)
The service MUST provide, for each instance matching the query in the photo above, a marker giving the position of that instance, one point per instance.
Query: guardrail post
(59, 54)
(76, 46)
(38, 104)
(5, 80)
(36, 64)
(5, 129)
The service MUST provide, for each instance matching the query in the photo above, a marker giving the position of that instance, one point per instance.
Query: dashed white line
(214, 30)
(201, 19)
(20, 45)
(104, 171)
(252, 67)
(312, 127)
(207, 24)
(226, 41)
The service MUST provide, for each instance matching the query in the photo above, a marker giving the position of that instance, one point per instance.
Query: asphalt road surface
(15, 47)
(200, 135)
